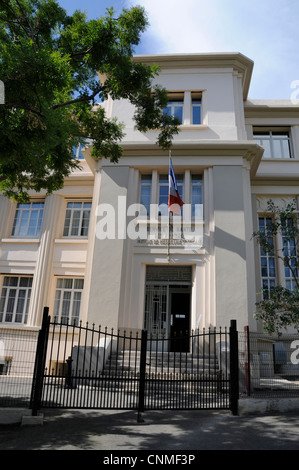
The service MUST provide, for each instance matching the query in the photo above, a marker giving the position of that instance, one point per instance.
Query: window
(15, 298)
(28, 219)
(196, 190)
(289, 252)
(175, 109)
(276, 143)
(279, 263)
(164, 189)
(5, 365)
(196, 193)
(196, 108)
(145, 192)
(268, 269)
(77, 217)
(163, 194)
(185, 106)
(68, 300)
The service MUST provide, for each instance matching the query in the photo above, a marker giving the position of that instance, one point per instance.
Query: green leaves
(49, 63)
(280, 310)
(280, 307)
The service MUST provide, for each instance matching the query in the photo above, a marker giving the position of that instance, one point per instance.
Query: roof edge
(236, 60)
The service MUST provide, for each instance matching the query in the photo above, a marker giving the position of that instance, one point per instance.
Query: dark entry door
(180, 321)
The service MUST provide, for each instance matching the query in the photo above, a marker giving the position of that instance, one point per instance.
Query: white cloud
(265, 31)
(182, 26)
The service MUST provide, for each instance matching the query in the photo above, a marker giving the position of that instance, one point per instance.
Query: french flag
(174, 200)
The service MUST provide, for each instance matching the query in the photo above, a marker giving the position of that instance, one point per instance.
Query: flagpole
(168, 244)
(174, 200)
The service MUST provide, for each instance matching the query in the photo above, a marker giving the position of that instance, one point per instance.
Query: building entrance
(167, 305)
(180, 321)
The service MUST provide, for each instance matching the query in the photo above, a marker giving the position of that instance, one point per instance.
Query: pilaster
(108, 250)
(43, 270)
(5, 215)
(230, 246)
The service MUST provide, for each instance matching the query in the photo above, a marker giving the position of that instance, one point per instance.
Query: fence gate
(81, 367)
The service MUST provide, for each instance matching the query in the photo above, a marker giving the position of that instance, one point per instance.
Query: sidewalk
(161, 430)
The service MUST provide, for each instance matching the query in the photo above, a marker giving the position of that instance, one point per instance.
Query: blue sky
(266, 31)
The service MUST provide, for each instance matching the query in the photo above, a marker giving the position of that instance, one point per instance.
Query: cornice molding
(240, 63)
(248, 150)
(271, 108)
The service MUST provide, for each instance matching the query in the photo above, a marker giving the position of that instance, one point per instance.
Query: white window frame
(272, 135)
(19, 214)
(281, 277)
(67, 232)
(17, 317)
(63, 301)
(270, 280)
(288, 278)
(196, 182)
(186, 186)
(175, 101)
(186, 100)
(164, 182)
(196, 102)
(146, 181)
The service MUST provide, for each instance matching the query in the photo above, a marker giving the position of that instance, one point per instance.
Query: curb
(21, 416)
(248, 406)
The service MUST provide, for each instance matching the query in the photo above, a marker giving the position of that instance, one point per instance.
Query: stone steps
(162, 363)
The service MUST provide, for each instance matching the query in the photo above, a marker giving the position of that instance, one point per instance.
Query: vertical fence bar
(247, 360)
(234, 367)
(41, 352)
(142, 373)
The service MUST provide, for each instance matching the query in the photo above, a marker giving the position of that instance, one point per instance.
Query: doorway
(168, 305)
(180, 321)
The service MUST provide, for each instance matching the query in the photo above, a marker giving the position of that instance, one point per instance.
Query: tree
(279, 307)
(49, 63)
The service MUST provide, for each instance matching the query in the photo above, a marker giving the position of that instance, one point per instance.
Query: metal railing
(269, 365)
(17, 359)
(81, 367)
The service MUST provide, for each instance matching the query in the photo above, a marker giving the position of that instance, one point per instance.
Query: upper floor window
(175, 106)
(164, 191)
(196, 108)
(196, 192)
(15, 298)
(145, 192)
(28, 219)
(276, 143)
(76, 223)
(190, 190)
(185, 106)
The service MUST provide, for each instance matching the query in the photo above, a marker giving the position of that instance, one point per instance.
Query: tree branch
(12, 104)
(81, 99)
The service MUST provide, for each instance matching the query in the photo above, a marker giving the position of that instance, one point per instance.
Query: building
(86, 253)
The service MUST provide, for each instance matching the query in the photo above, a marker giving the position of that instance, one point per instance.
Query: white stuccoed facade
(131, 284)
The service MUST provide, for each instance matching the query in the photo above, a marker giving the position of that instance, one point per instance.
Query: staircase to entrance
(164, 363)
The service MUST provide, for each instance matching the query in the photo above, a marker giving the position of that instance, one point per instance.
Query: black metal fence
(81, 367)
(17, 359)
(269, 365)
(75, 366)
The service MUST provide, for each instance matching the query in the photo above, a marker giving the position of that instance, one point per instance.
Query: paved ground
(165, 430)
